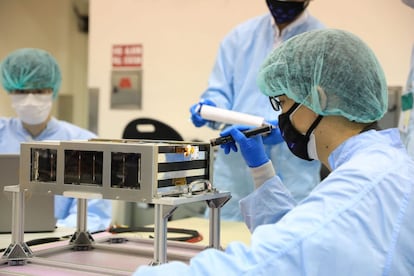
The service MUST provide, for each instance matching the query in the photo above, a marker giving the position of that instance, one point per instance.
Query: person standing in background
(232, 85)
(32, 78)
(407, 102)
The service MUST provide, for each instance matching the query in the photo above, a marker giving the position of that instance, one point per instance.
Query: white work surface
(112, 258)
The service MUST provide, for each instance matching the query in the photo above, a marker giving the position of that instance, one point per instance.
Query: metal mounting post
(82, 240)
(215, 205)
(162, 213)
(17, 252)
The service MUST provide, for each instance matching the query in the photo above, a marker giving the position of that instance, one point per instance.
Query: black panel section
(83, 167)
(181, 166)
(43, 165)
(126, 170)
(187, 180)
(179, 149)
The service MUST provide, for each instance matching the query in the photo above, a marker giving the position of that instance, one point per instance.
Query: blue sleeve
(267, 204)
(99, 213)
(220, 84)
(62, 206)
(220, 89)
(234, 261)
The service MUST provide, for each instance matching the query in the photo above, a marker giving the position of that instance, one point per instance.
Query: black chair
(143, 214)
(150, 129)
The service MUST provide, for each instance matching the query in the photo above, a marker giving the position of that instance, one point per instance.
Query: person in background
(358, 220)
(32, 78)
(407, 99)
(232, 86)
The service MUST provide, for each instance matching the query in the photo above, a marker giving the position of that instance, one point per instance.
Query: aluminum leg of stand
(214, 223)
(82, 239)
(82, 215)
(18, 218)
(214, 228)
(18, 252)
(162, 213)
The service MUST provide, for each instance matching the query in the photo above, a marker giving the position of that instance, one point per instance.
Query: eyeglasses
(32, 91)
(274, 101)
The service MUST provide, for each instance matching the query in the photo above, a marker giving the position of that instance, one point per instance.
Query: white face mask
(313, 154)
(31, 108)
(409, 3)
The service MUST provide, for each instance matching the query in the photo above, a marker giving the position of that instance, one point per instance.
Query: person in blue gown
(232, 86)
(408, 133)
(32, 79)
(331, 91)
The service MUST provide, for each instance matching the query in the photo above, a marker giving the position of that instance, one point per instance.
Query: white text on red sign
(127, 55)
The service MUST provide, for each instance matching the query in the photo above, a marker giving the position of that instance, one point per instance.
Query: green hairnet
(30, 68)
(330, 71)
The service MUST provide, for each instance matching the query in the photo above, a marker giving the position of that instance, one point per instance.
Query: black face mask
(297, 142)
(285, 11)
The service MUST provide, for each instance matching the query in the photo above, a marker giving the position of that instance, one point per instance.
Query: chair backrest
(150, 129)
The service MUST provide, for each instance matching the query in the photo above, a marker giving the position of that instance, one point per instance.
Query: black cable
(49, 239)
(39, 241)
(190, 235)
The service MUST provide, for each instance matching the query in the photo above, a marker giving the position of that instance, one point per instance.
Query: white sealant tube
(230, 117)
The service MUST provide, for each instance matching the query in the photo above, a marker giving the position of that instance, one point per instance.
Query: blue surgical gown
(357, 221)
(232, 85)
(409, 88)
(12, 133)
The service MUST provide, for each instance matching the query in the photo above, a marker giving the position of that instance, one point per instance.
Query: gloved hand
(197, 120)
(274, 137)
(252, 148)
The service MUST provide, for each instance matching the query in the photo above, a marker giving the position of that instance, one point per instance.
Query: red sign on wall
(127, 55)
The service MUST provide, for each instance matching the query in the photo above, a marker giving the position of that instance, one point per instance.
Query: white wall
(386, 25)
(181, 37)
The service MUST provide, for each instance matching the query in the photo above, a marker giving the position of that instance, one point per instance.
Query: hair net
(30, 69)
(330, 71)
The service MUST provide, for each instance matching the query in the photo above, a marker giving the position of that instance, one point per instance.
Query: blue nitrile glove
(274, 137)
(197, 120)
(251, 148)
